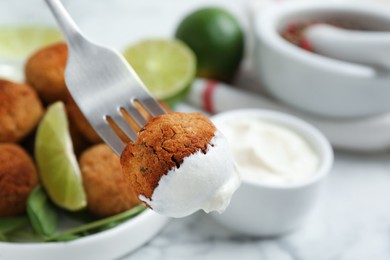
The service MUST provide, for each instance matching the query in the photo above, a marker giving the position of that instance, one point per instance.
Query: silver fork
(103, 84)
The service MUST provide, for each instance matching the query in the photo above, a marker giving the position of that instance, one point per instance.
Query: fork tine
(111, 138)
(134, 113)
(124, 126)
(152, 106)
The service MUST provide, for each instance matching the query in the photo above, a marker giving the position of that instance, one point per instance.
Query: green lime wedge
(57, 163)
(167, 67)
(18, 42)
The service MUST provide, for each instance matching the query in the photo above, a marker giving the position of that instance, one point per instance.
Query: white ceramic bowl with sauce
(315, 83)
(269, 209)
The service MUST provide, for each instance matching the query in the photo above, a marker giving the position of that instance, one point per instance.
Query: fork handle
(69, 28)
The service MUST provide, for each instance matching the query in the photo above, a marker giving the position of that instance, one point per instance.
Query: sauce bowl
(269, 209)
(315, 83)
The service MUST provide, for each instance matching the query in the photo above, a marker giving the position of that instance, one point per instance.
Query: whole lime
(217, 40)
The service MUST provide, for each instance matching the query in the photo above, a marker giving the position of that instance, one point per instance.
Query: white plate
(109, 244)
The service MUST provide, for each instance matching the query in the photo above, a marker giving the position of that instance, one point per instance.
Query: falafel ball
(162, 144)
(44, 71)
(108, 193)
(18, 177)
(179, 164)
(78, 140)
(20, 110)
(78, 119)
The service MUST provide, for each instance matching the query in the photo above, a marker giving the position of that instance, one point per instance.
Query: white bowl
(109, 244)
(264, 209)
(316, 83)
(120, 240)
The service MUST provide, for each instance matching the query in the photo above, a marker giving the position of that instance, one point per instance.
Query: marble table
(352, 220)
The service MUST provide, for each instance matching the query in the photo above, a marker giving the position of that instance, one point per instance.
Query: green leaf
(3, 238)
(83, 216)
(92, 227)
(23, 236)
(8, 225)
(42, 214)
(66, 237)
(110, 225)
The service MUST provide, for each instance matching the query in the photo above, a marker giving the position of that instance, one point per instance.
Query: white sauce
(203, 181)
(268, 152)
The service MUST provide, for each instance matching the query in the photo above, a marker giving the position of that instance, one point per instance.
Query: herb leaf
(10, 224)
(23, 235)
(98, 225)
(42, 214)
(3, 238)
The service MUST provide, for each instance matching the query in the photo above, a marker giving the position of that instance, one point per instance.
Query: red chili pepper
(291, 28)
(305, 44)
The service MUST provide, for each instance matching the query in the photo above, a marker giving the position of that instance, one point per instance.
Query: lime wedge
(167, 67)
(20, 42)
(57, 163)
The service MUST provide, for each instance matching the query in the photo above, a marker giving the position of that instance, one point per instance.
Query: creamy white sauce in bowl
(268, 152)
(273, 148)
(283, 162)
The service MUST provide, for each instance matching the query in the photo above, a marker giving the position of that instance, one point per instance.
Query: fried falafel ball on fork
(108, 192)
(181, 163)
(20, 110)
(44, 71)
(18, 177)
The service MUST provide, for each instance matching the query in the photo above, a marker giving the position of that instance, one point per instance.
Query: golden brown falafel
(18, 177)
(162, 144)
(20, 110)
(44, 71)
(77, 118)
(108, 192)
(78, 140)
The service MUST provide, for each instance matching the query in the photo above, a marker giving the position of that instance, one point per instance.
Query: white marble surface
(352, 220)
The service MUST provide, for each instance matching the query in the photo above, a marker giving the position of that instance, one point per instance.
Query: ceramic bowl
(269, 209)
(315, 83)
(109, 244)
(120, 240)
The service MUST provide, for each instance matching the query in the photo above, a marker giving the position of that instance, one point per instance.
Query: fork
(103, 85)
